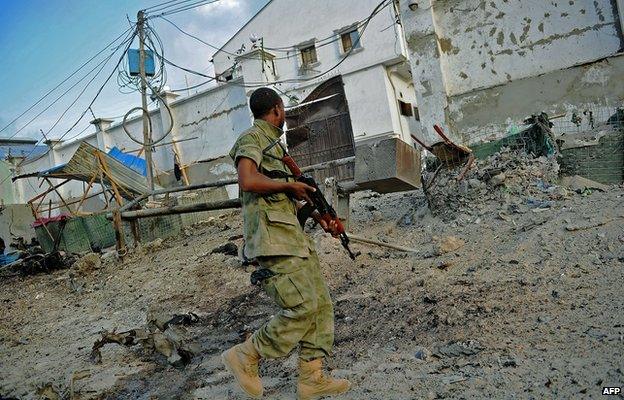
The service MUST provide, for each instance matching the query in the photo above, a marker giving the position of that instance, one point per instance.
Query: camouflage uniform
(275, 239)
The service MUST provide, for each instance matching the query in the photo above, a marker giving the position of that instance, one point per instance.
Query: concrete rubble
(512, 179)
(510, 288)
(162, 335)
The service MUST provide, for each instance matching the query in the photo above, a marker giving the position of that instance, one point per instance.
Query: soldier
(274, 238)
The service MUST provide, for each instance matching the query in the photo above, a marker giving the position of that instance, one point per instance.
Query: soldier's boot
(242, 362)
(313, 383)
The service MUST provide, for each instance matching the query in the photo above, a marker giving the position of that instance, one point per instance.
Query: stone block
(387, 166)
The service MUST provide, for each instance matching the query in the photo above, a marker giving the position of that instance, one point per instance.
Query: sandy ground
(524, 304)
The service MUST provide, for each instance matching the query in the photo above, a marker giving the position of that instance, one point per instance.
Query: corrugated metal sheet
(138, 164)
(84, 164)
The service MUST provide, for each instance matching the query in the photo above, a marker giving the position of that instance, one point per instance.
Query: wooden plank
(48, 190)
(119, 236)
(181, 209)
(84, 196)
(59, 195)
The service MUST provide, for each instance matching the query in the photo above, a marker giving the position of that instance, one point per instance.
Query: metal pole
(147, 135)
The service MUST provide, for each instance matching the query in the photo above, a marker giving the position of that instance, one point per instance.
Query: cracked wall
(483, 65)
(592, 86)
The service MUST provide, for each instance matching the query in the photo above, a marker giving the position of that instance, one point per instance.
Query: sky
(44, 41)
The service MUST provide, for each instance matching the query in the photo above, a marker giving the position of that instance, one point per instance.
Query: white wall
(499, 41)
(366, 93)
(216, 117)
(372, 103)
(481, 65)
(287, 23)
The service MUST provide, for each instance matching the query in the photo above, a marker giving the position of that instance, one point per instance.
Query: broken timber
(181, 209)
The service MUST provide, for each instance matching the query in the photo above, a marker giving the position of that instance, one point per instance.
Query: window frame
(348, 32)
(308, 48)
(405, 108)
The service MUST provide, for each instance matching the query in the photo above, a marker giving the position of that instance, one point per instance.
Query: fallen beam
(177, 189)
(180, 209)
(361, 239)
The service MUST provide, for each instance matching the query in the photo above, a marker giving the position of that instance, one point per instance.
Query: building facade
(368, 57)
(486, 65)
(296, 46)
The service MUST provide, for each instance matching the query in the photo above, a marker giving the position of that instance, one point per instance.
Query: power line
(63, 81)
(376, 10)
(318, 44)
(101, 63)
(84, 89)
(183, 8)
(99, 91)
(195, 37)
(163, 5)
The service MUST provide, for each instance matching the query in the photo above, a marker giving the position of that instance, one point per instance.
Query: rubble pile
(162, 335)
(511, 178)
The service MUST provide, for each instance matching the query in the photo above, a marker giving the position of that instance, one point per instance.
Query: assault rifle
(319, 203)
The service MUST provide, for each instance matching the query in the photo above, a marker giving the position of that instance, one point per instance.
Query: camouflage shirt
(270, 225)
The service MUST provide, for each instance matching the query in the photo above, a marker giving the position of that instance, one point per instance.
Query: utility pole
(147, 135)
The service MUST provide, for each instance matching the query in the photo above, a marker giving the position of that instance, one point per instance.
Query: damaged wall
(492, 63)
(487, 43)
(591, 86)
(214, 117)
(15, 221)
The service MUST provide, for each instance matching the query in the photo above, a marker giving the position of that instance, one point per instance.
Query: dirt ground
(507, 299)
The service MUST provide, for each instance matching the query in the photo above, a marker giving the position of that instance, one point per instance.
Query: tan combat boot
(242, 362)
(313, 383)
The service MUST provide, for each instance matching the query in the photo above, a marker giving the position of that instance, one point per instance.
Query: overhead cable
(63, 81)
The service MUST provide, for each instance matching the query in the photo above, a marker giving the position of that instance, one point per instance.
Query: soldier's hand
(301, 191)
(331, 227)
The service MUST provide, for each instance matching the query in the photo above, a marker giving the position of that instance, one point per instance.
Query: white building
(485, 65)
(305, 50)
(300, 41)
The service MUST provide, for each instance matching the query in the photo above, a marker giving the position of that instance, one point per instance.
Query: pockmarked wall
(205, 127)
(488, 64)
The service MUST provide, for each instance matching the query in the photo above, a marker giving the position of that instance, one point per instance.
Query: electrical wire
(163, 5)
(62, 82)
(292, 49)
(375, 11)
(196, 38)
(128, 43)
(321, 42)
(84, 89)
(79, 133)
(185, 7)
(100, 65)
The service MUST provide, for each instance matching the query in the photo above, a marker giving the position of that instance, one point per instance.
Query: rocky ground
(513, 291)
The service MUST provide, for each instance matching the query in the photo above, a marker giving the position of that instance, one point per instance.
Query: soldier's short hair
(262, 101)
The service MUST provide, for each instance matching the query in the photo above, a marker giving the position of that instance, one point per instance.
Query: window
(416, 114)
(350, 40)
(405, 108)
(308, 55)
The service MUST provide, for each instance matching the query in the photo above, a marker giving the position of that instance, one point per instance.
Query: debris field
(513, 291)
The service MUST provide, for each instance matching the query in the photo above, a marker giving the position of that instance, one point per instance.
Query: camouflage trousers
(306, 318)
